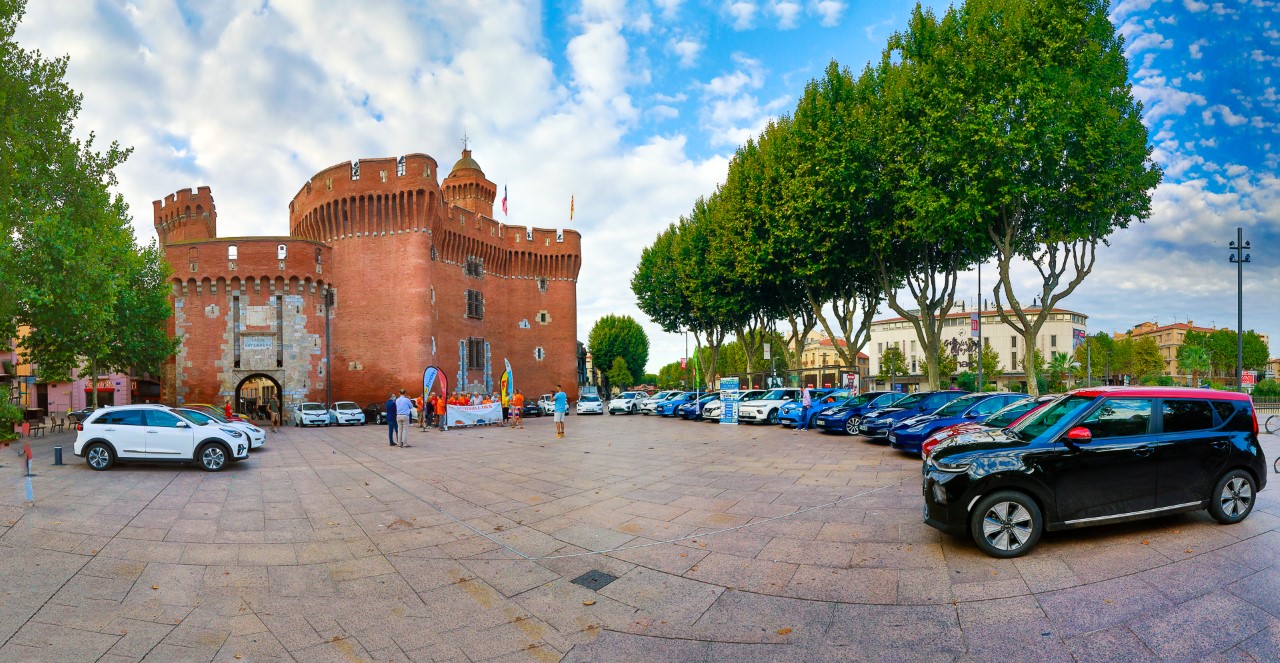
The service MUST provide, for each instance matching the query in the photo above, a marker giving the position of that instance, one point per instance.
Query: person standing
(404, 407)
(806, 402)
(391, 418)
(273, 409)
(226, 408)
(504, 398)
(430, 411)
(561, 408)
(442, 412)
(517, 410)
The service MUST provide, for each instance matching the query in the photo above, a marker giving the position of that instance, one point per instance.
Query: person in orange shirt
(440, 413)
(487, 401)
(517, 409)
(422, 415)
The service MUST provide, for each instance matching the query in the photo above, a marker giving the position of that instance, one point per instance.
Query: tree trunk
(1029, 349)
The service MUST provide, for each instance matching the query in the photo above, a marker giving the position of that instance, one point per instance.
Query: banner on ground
(729, 401)
(474, 415)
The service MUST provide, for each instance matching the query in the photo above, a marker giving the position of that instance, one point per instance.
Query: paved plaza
(745, 543)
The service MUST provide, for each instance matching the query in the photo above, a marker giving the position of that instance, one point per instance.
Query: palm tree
(1058, 367)
(1195, 359)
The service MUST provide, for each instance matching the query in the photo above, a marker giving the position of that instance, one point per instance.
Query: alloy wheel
(99, 458)
(1007, 526)
(213, 458)
(851, 426)
(1236, 497)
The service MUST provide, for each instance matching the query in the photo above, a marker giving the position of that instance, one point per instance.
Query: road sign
(729, 401)
(766, 351)
(973, 325)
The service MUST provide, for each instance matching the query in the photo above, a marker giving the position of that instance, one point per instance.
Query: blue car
(910, 433)
(692, 410)
(823, 399)
(668, 407)
(876, 425)
(844, 417)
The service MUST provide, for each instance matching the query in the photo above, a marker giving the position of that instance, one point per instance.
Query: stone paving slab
(746, 543)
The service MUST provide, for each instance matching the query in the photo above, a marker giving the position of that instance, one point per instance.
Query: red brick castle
(416, 272)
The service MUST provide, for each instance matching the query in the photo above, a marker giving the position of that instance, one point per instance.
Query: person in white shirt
(403, 407)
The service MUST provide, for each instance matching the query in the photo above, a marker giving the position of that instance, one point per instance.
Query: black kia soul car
(1098, 456)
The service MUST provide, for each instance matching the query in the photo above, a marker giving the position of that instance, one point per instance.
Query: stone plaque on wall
(258, 316)
(257, 352)
(258, 343)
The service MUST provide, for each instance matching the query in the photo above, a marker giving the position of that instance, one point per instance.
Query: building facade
(385, 271)
(1061, 333)
(1170, 338)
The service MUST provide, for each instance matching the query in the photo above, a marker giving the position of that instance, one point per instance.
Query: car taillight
(80, 427)
(1254, 412)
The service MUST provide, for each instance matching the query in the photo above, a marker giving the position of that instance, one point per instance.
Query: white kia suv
(257, 436)
(765, 406)
(156, 433)
(627, 401)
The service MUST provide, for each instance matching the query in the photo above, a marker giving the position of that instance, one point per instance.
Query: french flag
(504, 199)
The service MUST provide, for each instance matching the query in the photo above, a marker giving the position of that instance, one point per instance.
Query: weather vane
(464, 141)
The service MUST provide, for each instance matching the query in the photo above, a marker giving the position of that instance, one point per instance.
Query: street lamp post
(1240, 258)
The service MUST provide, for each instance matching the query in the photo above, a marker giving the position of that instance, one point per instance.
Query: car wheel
(1233, 497)
(851, 426)
(773, 416)
(99, 456)
(212, 457)
(1006, 524)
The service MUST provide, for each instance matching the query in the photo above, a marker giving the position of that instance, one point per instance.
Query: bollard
(57, 456)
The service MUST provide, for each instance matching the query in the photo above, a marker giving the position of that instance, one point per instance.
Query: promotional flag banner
(508, 380)
(504, 199)
(570, 207)
(429, 377)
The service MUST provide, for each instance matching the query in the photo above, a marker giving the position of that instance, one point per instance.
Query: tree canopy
(614, 337)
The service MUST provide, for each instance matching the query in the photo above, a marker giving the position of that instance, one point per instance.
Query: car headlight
(954, 468)
(232, 432)
(919, 428)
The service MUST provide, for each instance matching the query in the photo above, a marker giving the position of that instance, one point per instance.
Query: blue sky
(633, 108)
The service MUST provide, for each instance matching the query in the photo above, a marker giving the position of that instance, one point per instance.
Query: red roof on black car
(1163, 392)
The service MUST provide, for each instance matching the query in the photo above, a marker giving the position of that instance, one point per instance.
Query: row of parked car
(1003, 468)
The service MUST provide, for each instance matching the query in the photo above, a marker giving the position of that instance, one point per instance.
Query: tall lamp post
(1240, 258)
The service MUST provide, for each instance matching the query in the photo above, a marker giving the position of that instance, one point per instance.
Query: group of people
(399, 409)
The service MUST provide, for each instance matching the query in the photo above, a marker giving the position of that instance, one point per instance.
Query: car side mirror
(183, 424)
(971, 415)
(1079, 435)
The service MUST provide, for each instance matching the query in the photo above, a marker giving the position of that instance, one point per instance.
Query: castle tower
(467, 187)
(185, 216)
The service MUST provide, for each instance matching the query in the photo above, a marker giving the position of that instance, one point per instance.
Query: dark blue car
(668, 407)
(876, 425)
(911, 432)
(692, 410)
(844, 417)
(823, 399)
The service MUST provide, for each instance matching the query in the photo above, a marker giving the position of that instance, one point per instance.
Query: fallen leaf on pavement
(155, 587)
(783, 631)
(588, 603)
(1146, 543)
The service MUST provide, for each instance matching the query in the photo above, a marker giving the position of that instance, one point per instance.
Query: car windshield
(749, 395)
(775, 395)
(1010, 413)
(958, 406)
(198, 417)
(590, 399)
(913, 399)
(1039, 422)
(213, 414)
(312, 407)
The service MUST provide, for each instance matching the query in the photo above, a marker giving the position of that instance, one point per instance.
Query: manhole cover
(594, 580)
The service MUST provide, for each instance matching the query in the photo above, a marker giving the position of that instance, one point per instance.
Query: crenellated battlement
(183, 215)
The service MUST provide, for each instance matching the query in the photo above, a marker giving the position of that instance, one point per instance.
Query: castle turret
(184, 216)
(467, 187)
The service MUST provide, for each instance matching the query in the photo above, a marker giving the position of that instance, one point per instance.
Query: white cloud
(731, 111)
(1163, 99)
(1195, 6)
(830, 12)
(742, 13)
(687, 49)
(669, 7)
(787, 11)
(1230, 118)
(1194, 48)
(1126, 7)
(1195, 76)
(1222, 10)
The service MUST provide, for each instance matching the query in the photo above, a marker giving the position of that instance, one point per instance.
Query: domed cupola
(467, 187)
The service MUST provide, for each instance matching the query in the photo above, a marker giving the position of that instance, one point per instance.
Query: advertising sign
(1248, 378)
(729, 401)
(474, 415)
(851, 382)
(973, 324)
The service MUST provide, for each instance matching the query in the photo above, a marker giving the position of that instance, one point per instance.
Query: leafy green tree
(1051, 140)
(990, 365)
(947, 366)
(1264, 389)
(649, 378)
(1098, 350)
(1056, 371)
(1147, 360)
(618, 376)
(1193, 359)
(615, 336)
(892, 364)
(670, 376)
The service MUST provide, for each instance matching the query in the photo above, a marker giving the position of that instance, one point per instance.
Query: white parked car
(765, 406)
(346, 412)
(650, 405)
(627, 401)
(712, 411)
(156, 433)
(548, 403)
(311, 414)
(257, 436)
(590, 404)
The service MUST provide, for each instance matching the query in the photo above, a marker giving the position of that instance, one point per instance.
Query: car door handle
(1143, 452)
(152, 432)
(109, 430)
(1219, 445)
